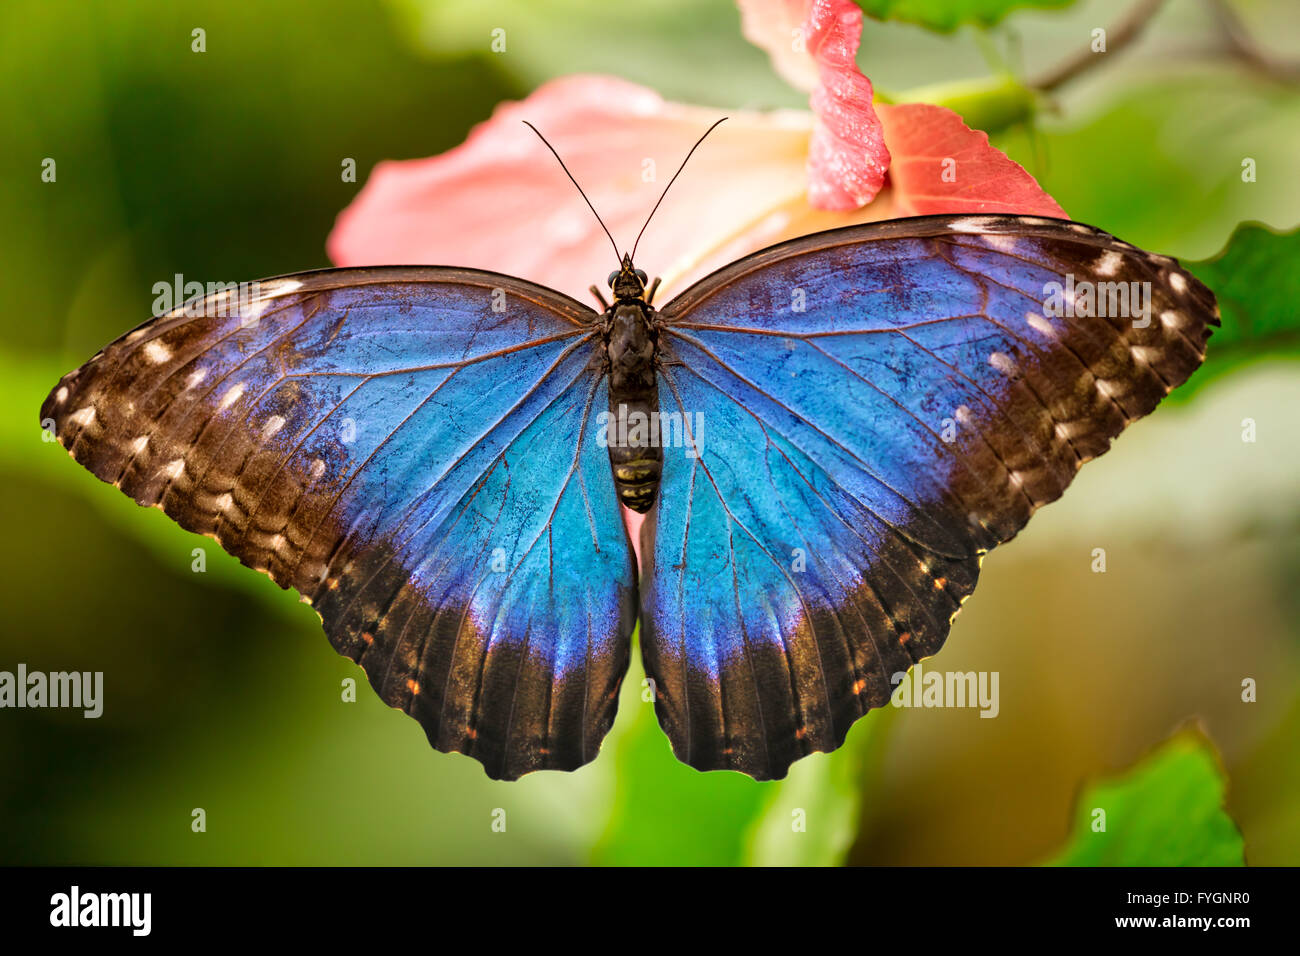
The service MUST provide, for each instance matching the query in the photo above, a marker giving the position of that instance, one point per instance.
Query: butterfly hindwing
(877, 406)
(408, 448)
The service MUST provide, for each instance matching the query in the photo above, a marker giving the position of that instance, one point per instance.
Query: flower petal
(814, 45)
(941, 165)
(848, 157)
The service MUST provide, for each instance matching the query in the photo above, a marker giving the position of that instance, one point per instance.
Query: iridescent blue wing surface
(874, 408)
(409, 449)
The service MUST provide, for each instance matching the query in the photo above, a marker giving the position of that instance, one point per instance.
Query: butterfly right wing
(875, 407)
(410, 448)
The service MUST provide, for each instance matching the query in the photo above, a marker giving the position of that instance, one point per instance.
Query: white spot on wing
(83, 416)
(1177, 282)
(156, 352)
(196, 376)
(268, 292)
(273, 425)
(1040, 324)
(224, 502)
(973, 224)
(172, 469)
(1003, 363)
(999, 241)
(232, 395)
(1108, 264)
(61, 395)
(139, 444)
(278, 287)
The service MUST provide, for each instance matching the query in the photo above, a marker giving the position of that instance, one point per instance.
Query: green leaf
(1257, 287)
(947, 15)
(1159, 163)
(811, 817)
(1167, 810)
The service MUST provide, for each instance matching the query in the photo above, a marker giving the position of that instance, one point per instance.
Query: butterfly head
(627, 282)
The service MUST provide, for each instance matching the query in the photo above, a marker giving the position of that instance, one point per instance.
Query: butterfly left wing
(410, 449)
(874, 408)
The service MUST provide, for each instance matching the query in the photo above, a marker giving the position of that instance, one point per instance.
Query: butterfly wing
(874, 407)
(408, 448)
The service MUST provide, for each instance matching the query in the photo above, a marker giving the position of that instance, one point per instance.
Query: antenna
(575, 183)
(670, 183)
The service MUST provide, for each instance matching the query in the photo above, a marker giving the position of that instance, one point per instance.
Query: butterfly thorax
(631, 344)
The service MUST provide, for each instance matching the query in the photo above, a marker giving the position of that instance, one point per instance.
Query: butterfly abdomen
(635, 455)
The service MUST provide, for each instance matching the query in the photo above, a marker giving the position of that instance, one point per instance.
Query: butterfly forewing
(880, 405)
(407, 448)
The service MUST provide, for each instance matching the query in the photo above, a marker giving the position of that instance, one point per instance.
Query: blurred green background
(221, 691)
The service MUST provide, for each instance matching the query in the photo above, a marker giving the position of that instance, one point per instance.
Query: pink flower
(499, 201)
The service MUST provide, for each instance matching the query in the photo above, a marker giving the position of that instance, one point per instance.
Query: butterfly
(825, 436)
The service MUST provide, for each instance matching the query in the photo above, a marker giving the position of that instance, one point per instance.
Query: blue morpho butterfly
(434, 458)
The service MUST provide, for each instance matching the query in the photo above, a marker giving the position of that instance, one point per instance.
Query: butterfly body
(631, 346)
(884, 404)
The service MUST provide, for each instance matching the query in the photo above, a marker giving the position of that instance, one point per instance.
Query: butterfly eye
(612, 276)
(641, 275)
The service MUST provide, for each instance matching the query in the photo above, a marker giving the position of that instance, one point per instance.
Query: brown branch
(1117, 38)
(1241, 45)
